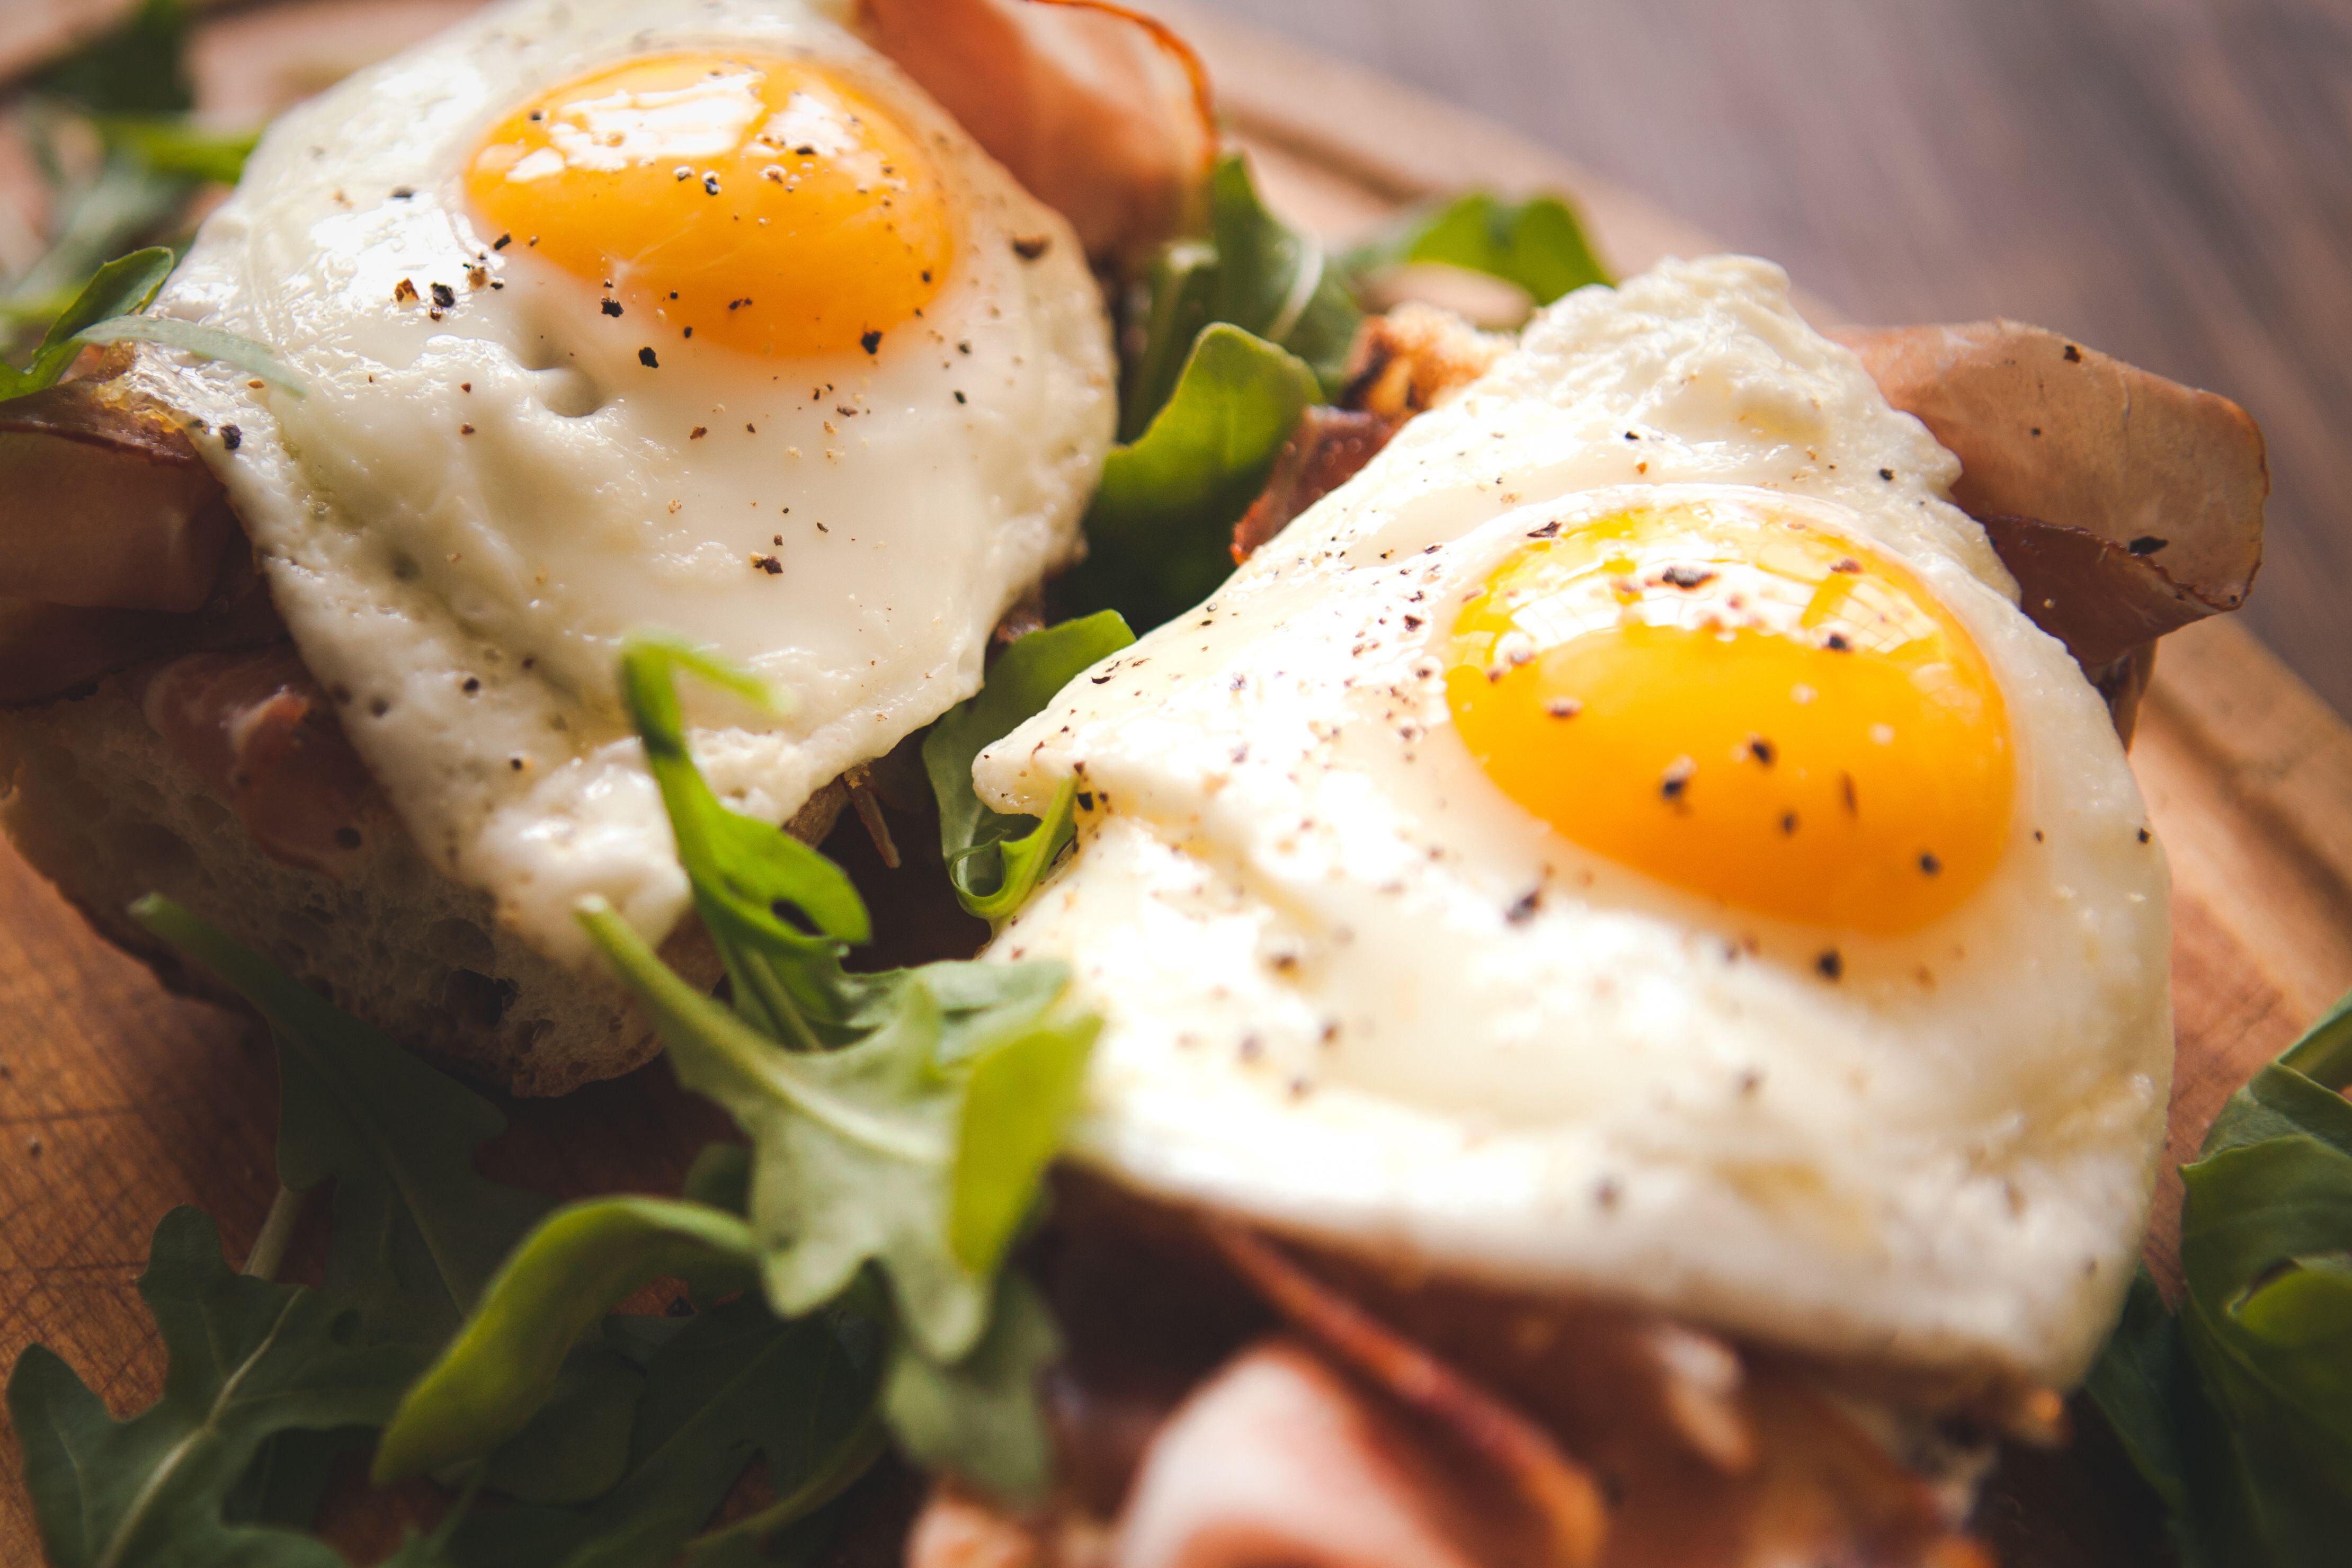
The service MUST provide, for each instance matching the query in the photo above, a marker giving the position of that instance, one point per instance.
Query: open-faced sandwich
(1598, 978)
(591, 318)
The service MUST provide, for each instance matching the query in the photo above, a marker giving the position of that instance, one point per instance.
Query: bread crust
(104, 807)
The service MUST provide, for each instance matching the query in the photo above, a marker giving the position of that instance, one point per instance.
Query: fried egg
(617, 316)
(1629, 842)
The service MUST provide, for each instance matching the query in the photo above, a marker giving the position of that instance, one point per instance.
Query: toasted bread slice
(104, 806)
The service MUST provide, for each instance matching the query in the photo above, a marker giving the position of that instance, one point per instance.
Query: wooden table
(117, 1102)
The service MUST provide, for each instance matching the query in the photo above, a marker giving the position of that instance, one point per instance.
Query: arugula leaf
(731, 1383)
(567, 1273)
(1252, 271)
(417, 1232)
(123, 286)
(576, 1447)
(124, 202)
(746, 874)
(1159, 533)
(862, 1153)
(2239, 1412)
(977, 1416)
(248, 1359)
(133, 87)
(170, 144)
(210, 342)
(1537, 244)
(995, 860)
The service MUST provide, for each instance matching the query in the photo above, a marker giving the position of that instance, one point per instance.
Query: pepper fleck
(1682, 576)
(2143, 835)
(1563, 706)
(1831, 963)
(502, 242)
(645, 358)
(1677, 778)
(1837, 642)
(401, 192)
(2074, 354)
(2147, 544)
(1761, 750)
(1524, 908)
(1788, 822)
(769, 564)
(1929, 864)
(1887, 474)
(871, 342)
(698, 433)
(444, 296)
(231, 437)
(612, 307)
(1848, 566)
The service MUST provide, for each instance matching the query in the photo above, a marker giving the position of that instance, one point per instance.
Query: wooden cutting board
(117, 1100)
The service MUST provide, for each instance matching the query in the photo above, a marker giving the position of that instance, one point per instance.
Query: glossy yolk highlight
(1744, 705)
(756, 200)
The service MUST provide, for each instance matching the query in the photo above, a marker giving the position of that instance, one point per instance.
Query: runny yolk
(755, 199)
(1744, 705)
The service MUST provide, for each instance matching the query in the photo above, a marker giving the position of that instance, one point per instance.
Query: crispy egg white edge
(581, 815)
(1867, 1220)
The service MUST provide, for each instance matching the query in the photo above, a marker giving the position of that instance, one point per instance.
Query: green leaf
(2299, 1095)
(1022, 1093)
(576, 1447)
(730, 1384)
(210, 342)
(978, 1417)
(1537, 244)
(746, 874)
(123, 204)
(857, 1152)
(285, 1482)
(417, 1232)
(247, 1359)
(2240, 1410)
(995, 860)
(123, 286)
(506, 1364)
(1254, 271)
(2138, 1383)
(173, 144)
(1159, 533)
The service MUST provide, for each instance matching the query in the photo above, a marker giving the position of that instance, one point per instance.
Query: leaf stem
(135, 1514)
(746, 1052)
(277, 1229)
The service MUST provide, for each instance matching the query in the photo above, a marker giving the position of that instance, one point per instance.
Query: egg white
(475, 504)
(1353, 990)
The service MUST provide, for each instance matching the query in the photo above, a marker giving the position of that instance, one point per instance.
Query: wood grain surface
(118, 1101)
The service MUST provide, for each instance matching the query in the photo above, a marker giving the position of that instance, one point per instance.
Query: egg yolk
(757, 200)
(1744, 705)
